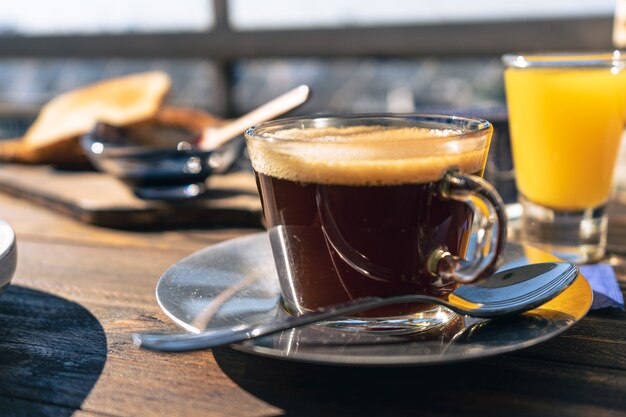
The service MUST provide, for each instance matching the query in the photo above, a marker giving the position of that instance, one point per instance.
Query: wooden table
(79, 291)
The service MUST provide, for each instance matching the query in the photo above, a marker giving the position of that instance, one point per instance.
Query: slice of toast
(119, 101)
(172, 125)
(194, 120)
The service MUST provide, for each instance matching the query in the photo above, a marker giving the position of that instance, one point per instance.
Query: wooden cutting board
(100, 199)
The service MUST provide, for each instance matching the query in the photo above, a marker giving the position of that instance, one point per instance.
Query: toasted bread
(194, 120)
(66, 153)
(118, 101)
(172, 124)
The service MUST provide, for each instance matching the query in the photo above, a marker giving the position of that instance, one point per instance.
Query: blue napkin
(603, 282)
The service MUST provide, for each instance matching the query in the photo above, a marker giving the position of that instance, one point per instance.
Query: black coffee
(335, 234)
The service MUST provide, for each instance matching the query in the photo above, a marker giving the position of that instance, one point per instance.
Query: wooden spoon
(214, 137)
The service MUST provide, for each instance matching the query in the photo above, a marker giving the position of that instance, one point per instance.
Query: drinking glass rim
(468, 126)
(598, 59)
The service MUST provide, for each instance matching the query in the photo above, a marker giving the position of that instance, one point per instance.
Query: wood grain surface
(80, 290)
(101, 199)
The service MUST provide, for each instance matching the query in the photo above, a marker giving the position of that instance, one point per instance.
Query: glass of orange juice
(566, 117)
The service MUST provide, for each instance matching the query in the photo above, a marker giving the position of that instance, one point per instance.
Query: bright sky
(93, 16)
(255, 14)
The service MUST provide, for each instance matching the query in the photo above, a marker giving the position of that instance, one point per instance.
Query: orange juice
(566, 125)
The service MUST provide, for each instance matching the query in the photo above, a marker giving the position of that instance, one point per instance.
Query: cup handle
(489, 224)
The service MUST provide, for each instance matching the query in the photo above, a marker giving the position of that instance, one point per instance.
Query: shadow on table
(504, 385)
(52, 352)
(312, 390)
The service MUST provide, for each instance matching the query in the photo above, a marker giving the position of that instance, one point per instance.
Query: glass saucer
(235, 282)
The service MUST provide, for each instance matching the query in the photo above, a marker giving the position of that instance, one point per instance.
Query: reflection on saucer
(322, 336)
(460, 336)
(514, 329)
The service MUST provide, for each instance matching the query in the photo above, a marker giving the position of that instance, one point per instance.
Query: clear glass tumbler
(566, 115)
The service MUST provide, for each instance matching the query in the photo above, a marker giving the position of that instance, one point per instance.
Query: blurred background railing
(229, 56)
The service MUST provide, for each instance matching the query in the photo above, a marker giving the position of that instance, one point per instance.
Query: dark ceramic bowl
(161, 166)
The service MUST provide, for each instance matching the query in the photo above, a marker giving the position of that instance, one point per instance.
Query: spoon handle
(214, 137)
(180, 342)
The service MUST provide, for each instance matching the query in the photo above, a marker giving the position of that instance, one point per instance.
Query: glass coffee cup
(377, 205)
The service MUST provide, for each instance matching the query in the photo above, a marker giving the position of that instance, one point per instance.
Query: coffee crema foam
(366, 155)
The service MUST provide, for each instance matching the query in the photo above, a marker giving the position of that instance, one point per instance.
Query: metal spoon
(507, 292)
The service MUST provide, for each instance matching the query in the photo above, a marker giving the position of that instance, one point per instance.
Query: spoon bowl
(507, 292)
